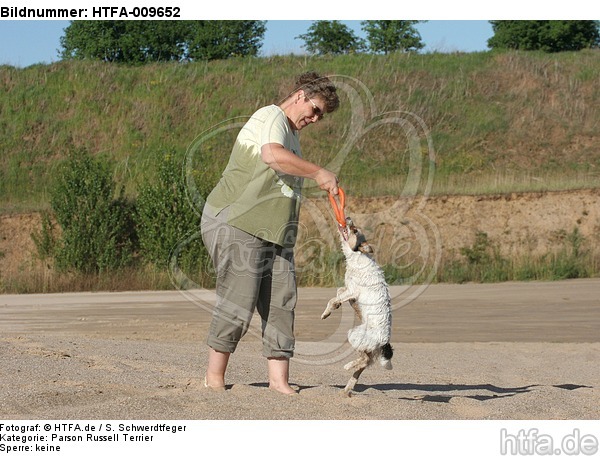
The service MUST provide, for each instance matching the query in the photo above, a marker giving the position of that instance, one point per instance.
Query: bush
(166, 221)
(45, 238)
(97, 230)
(483, 262)
(479, 252)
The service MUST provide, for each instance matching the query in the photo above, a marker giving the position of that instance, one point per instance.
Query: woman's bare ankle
(214, 381)
(282, 388)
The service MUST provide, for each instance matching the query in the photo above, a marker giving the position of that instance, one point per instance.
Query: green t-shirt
(261, 201)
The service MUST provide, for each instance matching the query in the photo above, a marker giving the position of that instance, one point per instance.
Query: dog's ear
(366, 248)
(362, 245)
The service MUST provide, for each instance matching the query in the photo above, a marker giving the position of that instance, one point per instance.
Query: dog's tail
(386, 356)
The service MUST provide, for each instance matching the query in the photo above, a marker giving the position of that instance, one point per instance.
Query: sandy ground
(504, 351)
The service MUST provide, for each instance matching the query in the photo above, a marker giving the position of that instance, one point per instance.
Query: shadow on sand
(483, 392)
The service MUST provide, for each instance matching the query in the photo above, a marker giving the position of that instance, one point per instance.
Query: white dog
(367, 292)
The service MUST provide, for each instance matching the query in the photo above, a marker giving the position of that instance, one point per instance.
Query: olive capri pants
(251, 274)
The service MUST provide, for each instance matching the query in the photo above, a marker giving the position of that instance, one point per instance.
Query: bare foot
(279, 375)
(283, 389)
(214, 385)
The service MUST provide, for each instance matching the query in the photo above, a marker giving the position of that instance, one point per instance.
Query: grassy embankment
(496, 122)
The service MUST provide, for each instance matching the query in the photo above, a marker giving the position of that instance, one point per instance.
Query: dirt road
(566, 311)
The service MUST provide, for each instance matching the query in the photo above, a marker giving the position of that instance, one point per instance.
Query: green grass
(481, 262)
(479, 123)
(48, 281)
(574, 258)
(516, 117)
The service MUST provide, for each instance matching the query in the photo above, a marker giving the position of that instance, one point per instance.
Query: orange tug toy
(338, 210)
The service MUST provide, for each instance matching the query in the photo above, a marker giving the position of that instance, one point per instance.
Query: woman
(249, 226)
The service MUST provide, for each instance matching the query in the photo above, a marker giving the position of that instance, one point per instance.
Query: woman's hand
(282, 160)
(326, 180)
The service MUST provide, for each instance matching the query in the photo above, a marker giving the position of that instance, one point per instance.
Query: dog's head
(353, 236)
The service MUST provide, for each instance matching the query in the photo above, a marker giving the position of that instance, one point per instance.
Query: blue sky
(28, 42)
(459, 25)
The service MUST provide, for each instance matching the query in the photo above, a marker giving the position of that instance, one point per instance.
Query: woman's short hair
(315, 85)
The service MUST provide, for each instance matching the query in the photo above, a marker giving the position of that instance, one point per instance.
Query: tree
(547, 36)
(154, 41)
(223, 39)
(331, 37)
(391, 36)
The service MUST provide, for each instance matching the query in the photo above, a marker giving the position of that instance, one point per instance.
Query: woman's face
(307, 110)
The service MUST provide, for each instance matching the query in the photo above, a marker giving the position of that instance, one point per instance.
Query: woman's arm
(282, 160)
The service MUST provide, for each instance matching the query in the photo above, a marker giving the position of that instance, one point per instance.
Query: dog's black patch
(387, 351)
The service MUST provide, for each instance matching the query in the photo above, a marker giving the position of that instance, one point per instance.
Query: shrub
(479, 252)
(166, 221)
(45, 238)
(483, 262)
(571, 262)
(96, 223)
